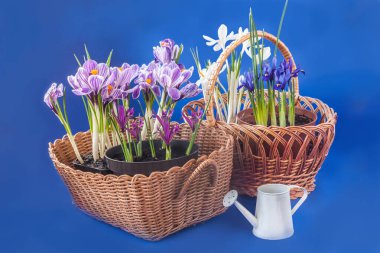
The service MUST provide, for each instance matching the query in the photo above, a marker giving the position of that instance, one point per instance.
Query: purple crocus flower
(135, 128)
(193, 118)
(246, 81)
(166, 52)
(145, 81)
(91, 78)
(170, 76)
(167, 130)
(123, 116)
(124, 75)
(52, 94)
(189, 90)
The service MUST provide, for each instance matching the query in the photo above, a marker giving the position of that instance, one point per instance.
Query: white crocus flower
(246, 44)
(246, 47)
(220, 43)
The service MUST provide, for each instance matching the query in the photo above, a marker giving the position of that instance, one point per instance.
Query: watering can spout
(231, 199)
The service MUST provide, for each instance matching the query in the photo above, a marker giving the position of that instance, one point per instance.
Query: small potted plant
(135, 165)
(122, 142)
(278, 137)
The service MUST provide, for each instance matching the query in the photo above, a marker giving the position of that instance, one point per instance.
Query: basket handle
(223, 57)
(209, 163)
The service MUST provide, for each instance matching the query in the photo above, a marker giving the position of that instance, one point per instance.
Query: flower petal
(174, 93)
(96, 83)
(222, 31)
(89, 65)
(103, 69)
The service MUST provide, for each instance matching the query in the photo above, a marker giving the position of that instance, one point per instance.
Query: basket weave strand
(156, 206)
(288, 155)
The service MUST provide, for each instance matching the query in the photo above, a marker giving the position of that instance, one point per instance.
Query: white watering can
(273, 220)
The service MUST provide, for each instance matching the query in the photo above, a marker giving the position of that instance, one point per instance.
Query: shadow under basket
(152, 207)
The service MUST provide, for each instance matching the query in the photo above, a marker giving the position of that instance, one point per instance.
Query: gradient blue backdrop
(335, 41)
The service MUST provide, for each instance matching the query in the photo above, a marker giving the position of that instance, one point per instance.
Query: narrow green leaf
(109, 58)
(76, 58)
(280, 26)
(87, 53)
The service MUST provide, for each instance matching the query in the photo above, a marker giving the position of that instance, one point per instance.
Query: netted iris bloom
(193, 118)
(167, 130)
(281, 80)
(285, 73)
(123, 116)
(167, 51)
(145, 81)
(247, 81)
(135, 127)
(52, 94)
(269, 70)
(170, 76)
(91, 78)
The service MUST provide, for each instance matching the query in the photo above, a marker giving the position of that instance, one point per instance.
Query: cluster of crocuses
(277, 79)
(107, 91)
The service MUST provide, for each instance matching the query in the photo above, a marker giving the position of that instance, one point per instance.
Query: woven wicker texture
(156, 206)
(287, 155)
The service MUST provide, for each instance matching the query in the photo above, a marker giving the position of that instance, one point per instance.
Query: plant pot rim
(195, 150)
(310, 124)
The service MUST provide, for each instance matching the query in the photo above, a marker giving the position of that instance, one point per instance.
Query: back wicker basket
(288, 155)
(152, 207)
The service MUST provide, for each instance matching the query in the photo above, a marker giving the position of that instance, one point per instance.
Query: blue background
(335, 41)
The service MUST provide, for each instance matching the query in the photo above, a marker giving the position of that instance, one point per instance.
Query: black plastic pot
(115, 162)
(100, 167)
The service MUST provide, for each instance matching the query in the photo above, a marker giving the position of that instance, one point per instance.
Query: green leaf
(87, 53)
(64, 106)
(280, 26)
(76, 58)
(109, 58)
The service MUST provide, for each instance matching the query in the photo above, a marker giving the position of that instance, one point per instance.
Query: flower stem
(283, 109)
(291, 115)
(95, 136)
(168, 152)
(191, 144)
(75, 148)
(162, 103)
(272, 106)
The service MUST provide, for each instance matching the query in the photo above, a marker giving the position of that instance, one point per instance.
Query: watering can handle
(300, 202)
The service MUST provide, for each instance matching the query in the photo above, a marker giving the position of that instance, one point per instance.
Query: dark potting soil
(147, 155)
(300, 120)
(89, 164)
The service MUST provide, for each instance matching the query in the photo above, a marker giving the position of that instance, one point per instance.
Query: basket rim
(55, 160)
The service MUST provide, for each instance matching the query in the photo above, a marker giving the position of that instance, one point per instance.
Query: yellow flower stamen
(148, 81)
(109, 89)
(94, 72)
(121, 68)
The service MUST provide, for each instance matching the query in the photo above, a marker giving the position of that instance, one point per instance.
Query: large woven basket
(288, 155)
(156, 206)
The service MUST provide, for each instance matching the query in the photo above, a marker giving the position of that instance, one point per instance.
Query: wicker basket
(156, 206)
(288, 155)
